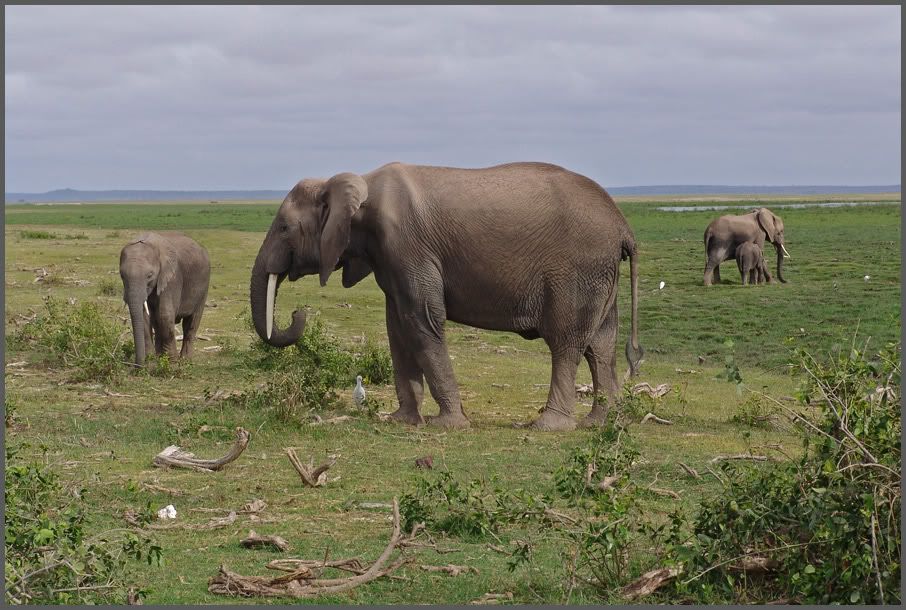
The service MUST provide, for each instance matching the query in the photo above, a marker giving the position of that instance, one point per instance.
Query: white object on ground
(867, 277)
(167, 512)
(358, 394)
(661, 287)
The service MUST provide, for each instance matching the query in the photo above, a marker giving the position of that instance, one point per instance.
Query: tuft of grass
(108, 287)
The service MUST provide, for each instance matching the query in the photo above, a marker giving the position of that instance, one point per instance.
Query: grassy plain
(103, 436)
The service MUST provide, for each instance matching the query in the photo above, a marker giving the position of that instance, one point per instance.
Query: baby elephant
(165, 281)
(752, 267)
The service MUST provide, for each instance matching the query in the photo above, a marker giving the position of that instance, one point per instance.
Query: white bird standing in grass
(358, 394)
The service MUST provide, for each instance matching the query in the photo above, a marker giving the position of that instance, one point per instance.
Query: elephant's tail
(634, 351)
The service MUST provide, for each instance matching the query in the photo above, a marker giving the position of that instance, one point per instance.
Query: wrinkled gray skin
(171, 272)
(751, 264)
(524, 247)
(726, 233)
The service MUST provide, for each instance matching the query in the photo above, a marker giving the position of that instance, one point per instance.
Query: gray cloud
(258, 97)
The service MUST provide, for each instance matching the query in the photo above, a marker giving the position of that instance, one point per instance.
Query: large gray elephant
(726, 233)
(530, 248)
(165, 281)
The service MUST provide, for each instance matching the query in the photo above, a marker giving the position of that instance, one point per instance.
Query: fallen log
(649, 582)
(741, 456)
(178, 457)
(256, 540)
(652, 417)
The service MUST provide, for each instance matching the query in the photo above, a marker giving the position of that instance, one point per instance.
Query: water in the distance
(830, 204)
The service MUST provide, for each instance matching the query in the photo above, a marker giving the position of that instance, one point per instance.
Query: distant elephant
(751, 263)
(530, 248)
(724, 234)
(165, 281)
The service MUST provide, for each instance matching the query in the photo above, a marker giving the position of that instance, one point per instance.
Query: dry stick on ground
(656, 419)
(256, 540)
(690, 471)
(452, 570)
(310, 476)
(741, 456)
(304, 582)
(180, 458)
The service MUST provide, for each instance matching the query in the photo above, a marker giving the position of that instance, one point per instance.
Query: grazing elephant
(530, 248)
(752, 267)
(724, 235)
(165, 281)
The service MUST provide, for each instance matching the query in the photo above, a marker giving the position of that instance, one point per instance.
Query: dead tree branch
(741, 456)
(312, 477)
(256, 540)
(177, 457)
(649, 582)
(302, 579)
(652, 417)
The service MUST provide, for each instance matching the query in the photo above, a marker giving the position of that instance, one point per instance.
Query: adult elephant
(165, 280)
(530, 248)
(726, 233)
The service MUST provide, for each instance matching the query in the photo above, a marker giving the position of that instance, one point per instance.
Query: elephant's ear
(168, 262)
(766, 221)
(342, 195)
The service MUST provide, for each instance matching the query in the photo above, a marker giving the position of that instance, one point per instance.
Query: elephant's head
(310, 235)
(772, 226)
(147, 265)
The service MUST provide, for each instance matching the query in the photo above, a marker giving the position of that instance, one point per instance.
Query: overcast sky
(177, 97)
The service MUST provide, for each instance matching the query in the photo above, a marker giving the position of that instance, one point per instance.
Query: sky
(249, 97)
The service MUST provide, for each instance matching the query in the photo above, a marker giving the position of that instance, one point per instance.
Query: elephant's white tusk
(785, 253)
(147, 311)
(271, 293)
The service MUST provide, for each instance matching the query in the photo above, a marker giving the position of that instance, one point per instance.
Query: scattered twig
(492, 598)
(180, 458)
(656, 419)
(649, 582)
(452, 570)
(664, 492)
(318, 420)
(606, 482)
(256, 540)
(312, 477)
(690, 471)
(255, 506)
(741, 456)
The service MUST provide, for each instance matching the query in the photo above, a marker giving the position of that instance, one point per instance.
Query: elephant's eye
(284, 228)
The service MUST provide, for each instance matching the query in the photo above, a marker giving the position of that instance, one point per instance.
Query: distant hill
(72, 195)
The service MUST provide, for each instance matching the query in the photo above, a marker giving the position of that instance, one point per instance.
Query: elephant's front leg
(424, 322)
(165, 334)
(407, 374)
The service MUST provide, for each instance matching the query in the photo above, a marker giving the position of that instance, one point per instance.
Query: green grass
(104, 436)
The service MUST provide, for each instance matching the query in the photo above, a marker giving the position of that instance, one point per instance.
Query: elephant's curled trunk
(262, 297)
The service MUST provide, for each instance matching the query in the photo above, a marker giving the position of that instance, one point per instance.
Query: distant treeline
(72, 195)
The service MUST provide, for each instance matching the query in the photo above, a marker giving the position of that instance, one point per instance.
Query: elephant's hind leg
(190, 326)
(601, 357)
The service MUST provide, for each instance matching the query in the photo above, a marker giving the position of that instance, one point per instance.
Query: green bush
(829, 522)
(608, 451)
(37, 235)
(50, 558)
(80, 336)
(373, 364)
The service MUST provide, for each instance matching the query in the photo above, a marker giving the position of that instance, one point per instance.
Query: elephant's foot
(449, 419)
(407, 416)
(552, 420)
(597, 417)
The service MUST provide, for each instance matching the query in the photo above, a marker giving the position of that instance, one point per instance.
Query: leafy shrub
(309, 375)
(50, 559)
(37, 235)
(79, 336)
(75, 236)
(831, 520)
(609, 450)
(755, 412)
(374, 364)
(9, 411)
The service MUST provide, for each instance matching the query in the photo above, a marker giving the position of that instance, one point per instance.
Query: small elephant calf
(751, 263)
(165, 281)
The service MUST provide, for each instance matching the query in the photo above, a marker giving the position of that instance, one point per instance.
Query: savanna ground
(103, 435)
